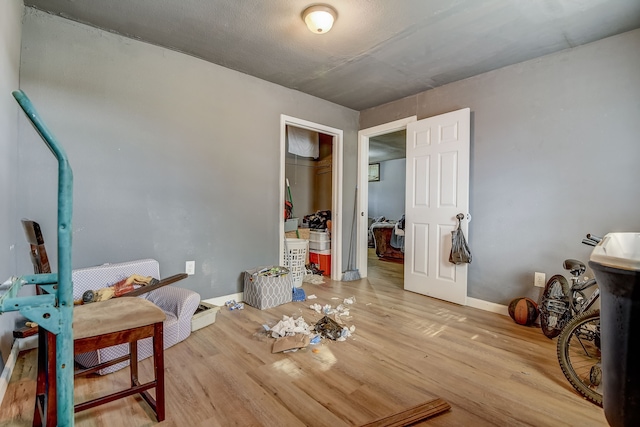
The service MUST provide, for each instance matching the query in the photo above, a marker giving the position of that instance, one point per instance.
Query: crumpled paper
(289, 326)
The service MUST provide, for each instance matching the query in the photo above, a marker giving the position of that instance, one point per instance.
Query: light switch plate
(190, 268)
(539, 280)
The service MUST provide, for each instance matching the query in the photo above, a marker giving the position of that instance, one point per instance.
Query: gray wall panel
(386, 197)
(10, 34)
(174, 158)
(554, 155)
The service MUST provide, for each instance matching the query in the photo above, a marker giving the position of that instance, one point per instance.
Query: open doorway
(315, 180)
(308, 214)
(386, 203)
(382, 194)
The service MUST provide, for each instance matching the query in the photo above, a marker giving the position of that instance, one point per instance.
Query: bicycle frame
(577, 306)
(565, 312)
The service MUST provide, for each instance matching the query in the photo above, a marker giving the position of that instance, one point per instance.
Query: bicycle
(564, 312)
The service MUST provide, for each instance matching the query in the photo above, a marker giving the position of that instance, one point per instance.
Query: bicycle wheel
(579, 355)
(554, 306)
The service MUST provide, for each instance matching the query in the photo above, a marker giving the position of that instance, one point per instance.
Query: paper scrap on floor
(289, 326)
(290, 343)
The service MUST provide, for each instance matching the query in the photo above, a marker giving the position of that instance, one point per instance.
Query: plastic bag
(460, 253)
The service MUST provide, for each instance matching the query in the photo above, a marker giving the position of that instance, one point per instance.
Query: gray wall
(10, 33)
(386, 197)
(301, 174)
(554, 155)
(174, 158)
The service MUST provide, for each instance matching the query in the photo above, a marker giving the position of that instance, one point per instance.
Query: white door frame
(363, 184)
(336, 187)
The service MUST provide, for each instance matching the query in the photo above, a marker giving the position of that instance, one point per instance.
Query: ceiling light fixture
(319, 18)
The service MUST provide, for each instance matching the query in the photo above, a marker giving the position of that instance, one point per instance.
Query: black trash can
(616, 264)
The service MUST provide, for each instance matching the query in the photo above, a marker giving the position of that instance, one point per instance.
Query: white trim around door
(363, 183)
(336, 184)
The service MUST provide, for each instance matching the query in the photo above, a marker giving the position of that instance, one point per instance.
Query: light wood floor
(406, 349)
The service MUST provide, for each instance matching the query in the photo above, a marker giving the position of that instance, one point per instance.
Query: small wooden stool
(99, 325)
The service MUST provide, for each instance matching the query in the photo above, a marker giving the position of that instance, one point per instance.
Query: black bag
(460, 253)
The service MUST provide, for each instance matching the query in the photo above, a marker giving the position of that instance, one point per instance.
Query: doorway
(365, 137)
(386, 200)
(328, 170)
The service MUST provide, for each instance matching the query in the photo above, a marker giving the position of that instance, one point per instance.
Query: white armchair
(179, 305)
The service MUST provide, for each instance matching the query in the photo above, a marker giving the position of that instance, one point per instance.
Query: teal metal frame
(52, 310)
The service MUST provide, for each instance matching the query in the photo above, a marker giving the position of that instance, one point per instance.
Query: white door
(437, 190)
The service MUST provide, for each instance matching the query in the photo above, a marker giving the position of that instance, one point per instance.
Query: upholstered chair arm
(179, 301)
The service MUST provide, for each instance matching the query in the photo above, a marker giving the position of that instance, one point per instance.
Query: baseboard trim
(8, 369)
(220, 301)
(20, 344)
(488, 306)
(471, 302)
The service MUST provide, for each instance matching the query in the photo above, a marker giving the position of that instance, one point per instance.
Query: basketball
(523, 311)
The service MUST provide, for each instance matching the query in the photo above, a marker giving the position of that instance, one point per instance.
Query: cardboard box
(205, 315)
(322, 259)
(264, 292)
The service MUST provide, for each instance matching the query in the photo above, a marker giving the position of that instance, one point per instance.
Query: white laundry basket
(295, 255)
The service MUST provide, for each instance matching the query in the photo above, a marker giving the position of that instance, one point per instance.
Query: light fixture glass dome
(319, 18)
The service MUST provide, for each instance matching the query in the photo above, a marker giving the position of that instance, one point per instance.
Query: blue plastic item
(299, 295)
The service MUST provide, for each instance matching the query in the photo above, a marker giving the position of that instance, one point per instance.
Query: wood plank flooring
(407, 349)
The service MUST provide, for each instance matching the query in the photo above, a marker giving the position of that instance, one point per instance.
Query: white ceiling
(378, 50)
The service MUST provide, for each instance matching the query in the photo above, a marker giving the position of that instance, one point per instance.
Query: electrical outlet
(539, 280)
(190, 268)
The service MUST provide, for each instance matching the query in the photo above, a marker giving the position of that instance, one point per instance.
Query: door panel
(446, 270)
(448, 179)
(421, 181)
(420, 266)
(437, 190)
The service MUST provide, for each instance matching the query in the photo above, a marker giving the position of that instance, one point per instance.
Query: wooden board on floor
(412, 415)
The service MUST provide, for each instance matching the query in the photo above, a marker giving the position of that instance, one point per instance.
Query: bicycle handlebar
(594, 238)
(591, 240)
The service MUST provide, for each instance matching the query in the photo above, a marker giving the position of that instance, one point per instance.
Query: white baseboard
(8, 370)
(488, 306)
(221, 300)
(19, 345)
(28, 343)
(471, 302)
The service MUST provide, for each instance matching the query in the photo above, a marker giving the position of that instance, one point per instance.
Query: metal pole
(64, 339)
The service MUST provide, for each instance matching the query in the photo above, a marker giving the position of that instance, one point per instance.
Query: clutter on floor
(292, 334)
(298, 295)
(313, 279)
(233, 305)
